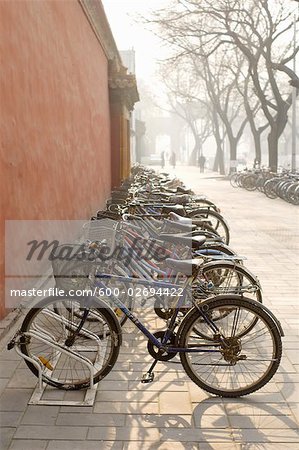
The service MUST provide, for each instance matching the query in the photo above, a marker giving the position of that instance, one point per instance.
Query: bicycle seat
(198, 241)
(183, 190)
(172, 208)
(185, 266)
(186, 220)
(181, 239)
(176, 218)
(187, 227)
(182, 199)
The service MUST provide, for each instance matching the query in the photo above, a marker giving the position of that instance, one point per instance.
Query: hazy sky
(128, 33)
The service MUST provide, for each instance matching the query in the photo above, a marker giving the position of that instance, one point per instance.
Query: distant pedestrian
(256, 164)
(201, 162)
(172, 159)
(162, 160)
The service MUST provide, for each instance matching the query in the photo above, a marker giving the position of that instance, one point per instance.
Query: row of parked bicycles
(284, 185)
(157, 248)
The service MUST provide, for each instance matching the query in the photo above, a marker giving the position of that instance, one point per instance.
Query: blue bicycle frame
(141, 326)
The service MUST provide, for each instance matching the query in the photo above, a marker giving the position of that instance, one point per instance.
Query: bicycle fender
(99, 303)
(205, 304)
(204, 211)
(232, 264)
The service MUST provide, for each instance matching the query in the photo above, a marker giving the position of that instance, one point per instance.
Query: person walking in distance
(162, 160)
(172, 159)
(201, 162)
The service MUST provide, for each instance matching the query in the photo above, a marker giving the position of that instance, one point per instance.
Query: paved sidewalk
(172, 412)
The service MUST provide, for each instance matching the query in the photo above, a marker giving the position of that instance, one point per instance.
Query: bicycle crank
(160, 354)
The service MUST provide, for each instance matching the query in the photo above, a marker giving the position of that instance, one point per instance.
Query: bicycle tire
(233, 180)
(219, 224)
(231, 278)
(229, 383)
(61, 370)
(249, 182)
(269, 188)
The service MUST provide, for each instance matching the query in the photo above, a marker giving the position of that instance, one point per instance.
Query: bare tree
(220, 85)
(201, 27)
(187, 100)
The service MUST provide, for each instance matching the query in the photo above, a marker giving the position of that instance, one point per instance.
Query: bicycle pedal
(148, 377)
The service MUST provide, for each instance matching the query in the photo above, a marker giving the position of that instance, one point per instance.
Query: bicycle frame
(141, 326)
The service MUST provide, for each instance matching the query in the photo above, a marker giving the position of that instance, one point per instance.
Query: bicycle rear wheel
(233, 179)
(216, 221)
(231, 278)
(229, 363)
(56, 336)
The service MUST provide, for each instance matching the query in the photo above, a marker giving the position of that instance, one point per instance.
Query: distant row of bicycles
(284, 185)
(157, 248)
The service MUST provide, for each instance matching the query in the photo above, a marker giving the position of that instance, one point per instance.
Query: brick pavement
(173, 413)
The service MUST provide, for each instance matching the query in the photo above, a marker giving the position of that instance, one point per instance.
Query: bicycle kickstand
(148, 377)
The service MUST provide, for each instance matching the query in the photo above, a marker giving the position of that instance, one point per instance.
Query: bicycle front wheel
(228, 362)
(68, 337)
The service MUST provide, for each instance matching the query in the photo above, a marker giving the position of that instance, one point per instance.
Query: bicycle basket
(71, 265)
(102, 231)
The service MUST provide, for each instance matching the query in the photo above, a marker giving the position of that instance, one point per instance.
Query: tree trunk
(258, 147)
(273, 149)
(193, 158)
(219, 161)
(233, 154)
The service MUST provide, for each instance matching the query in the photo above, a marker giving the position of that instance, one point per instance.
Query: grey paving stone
(40, 415)
(250, 408)
(15, 399)
(261, 397)
(294, 407)
(77, 396)
(53, 394)
(50, 432)
(21, 444)
(266, 435)
(123, 434)
(262, 422)
(290, 391)
(269, 446)
(197, 435)
(6, 435)
(22, 378)
(116, 375)
(84, 445)
(90, 419)
(208, 408)
(76, 409)
(10, 418)
(3, 384)
(159, 420)
(109, 385)
(162, 446)
(159, 386)
(179, 403)
(126, 407)
(126, 396)
(9, 355)
(198, 395)
(7, 368)
(211, 421)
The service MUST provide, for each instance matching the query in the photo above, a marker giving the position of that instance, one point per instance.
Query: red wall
(54, 107)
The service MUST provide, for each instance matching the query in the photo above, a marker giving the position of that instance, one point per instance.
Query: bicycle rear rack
(39, 391)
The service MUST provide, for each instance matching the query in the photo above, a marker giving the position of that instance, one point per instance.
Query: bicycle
(228, 345)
